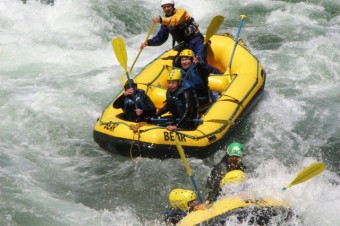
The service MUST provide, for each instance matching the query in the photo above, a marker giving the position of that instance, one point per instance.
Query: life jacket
(183, 32)
(129, 102)
(192, 75)
(201, 87)
(175, 102)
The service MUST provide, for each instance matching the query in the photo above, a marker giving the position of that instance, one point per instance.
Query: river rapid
(58, 72)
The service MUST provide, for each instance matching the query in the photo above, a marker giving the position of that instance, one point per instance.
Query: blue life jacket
(192, 75)
(129, 103)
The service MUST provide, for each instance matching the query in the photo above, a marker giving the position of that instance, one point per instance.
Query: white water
(58, 72)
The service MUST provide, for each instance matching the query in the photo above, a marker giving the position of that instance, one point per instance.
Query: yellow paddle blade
(213, 27)
(181, 153)
(119, 48)
(307, 173)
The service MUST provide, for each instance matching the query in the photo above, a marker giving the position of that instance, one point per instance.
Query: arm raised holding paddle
(177, 23)
(134, 102)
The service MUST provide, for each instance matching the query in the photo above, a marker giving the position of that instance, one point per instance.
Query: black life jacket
(176, 103)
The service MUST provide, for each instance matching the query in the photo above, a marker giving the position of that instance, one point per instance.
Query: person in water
(179, 24)
(182, 201)
(136, 105)
(181, 102)
(230, 162)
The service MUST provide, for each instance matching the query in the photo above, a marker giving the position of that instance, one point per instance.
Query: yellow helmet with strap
(175, 74)
(180, 198)
(187, 53)
(234, 176)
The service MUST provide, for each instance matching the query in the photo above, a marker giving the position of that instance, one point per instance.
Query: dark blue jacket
(192, 41)
(127, 103)
(198, 75)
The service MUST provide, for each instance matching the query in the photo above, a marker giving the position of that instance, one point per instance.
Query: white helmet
(164, 2)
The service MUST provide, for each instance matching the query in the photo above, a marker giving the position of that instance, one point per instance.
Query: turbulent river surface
(58, 72)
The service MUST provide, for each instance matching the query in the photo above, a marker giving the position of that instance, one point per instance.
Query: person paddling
(179, 24)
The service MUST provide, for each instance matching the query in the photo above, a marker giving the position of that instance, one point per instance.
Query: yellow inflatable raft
(239, 91)
(236, 209)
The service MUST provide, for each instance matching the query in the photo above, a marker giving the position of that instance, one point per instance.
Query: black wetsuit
(216, 175)
(127, 103)
(173, 216)
(182, 104)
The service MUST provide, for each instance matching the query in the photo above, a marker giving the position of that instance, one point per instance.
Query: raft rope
(136, 131)
(233, 99)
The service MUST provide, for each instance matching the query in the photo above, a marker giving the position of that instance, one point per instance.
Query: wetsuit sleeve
(214, 180)
(202, 69)
(201, 55)
(173, 216)
(188, 100)
(181, 16)
(119, 102)
(162, 111)
(160, 38)
(203, 72)
(150, 109)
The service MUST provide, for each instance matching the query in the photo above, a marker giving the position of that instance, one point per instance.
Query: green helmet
(235, 149)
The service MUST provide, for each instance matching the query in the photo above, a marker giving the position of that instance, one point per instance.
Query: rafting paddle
(235, 44)
(119, 48)
(307, 173)
(140, 50)
(221, 121)
(213, 27)
(185, 162)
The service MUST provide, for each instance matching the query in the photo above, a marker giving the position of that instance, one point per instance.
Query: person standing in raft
(136, 105)
(179, 24)
(181, 102)
(230, 162)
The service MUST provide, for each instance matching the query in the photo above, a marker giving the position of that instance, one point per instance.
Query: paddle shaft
(140, 50)
(187, 167)
(221, 121)
(119, 48)
(236, 41)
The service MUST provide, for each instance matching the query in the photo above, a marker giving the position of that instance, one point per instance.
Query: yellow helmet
(175, 74)
(187, 53)
(234, 176)
(179, 198)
